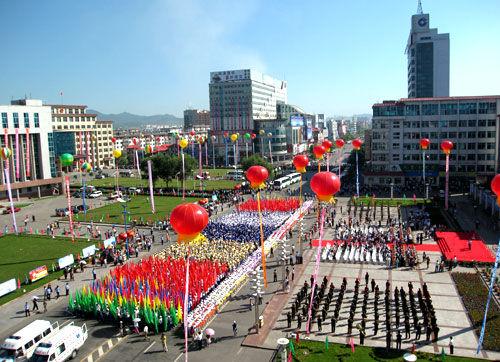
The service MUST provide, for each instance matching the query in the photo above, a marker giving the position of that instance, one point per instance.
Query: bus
(294, 177)
(281, 183)
(236, 175)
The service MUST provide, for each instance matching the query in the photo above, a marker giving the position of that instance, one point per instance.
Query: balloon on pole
(6, 153)
(446, 147)
(257, 176)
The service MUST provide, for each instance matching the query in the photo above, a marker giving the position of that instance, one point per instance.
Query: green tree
(168, 167)
(248, 162)
(123, 160)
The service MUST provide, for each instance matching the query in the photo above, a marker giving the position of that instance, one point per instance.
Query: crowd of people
(244, 226)
(228, 252)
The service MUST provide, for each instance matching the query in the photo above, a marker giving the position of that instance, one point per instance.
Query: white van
(63, 345)
(23, 343)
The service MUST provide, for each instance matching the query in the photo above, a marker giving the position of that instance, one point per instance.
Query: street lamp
(427, 190)
(257, 294)
(392, 189)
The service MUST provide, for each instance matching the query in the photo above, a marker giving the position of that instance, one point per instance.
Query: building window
(5, 122)
(37, 121)
(16, 120)
(487, 108)
(471, 123)
(412, 110)
(26, 120)
(468, 108)
(449, 108)
(430, 109)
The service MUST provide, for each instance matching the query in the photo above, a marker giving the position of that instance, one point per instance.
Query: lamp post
(257, 284)
(427, 190)
(392, 190)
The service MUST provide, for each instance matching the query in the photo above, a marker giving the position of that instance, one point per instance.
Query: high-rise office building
(428, 59)
(240, 97)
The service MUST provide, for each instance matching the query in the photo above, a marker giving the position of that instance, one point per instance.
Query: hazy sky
(155, 56)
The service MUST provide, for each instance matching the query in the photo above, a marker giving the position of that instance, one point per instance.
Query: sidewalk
(12, 313)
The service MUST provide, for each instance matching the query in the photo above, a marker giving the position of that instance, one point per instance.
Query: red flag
(297, 337)
(290, 358)
(351, 342)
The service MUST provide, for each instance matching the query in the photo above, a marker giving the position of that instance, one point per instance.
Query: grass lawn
(474, 295)
(139, 207)
(313, 351)
(391, 202)
(23, 253)
(137, 182)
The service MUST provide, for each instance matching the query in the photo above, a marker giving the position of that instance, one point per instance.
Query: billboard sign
(7, 287)
(38, 273)
(109, 242)
(88, 251)
(66, 261)
(296, 121)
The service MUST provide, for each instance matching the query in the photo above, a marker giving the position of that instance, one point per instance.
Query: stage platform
(456, 244)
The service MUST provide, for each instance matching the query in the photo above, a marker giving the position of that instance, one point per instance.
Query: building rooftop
(401, 101)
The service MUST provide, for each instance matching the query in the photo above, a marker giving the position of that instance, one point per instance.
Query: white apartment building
(237, 99)
(471, 123)
(27, 131)
(82, 135)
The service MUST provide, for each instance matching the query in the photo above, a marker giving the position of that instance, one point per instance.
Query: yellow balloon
(117, 153)
(234, 137)
(183, 143)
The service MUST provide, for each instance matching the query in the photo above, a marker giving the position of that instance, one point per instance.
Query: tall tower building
(428, 59)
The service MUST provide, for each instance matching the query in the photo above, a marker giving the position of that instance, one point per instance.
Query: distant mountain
(126, 119)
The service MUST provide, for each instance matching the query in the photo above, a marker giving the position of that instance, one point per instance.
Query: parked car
(115, 195)
(95, 194)
(60, 212)
(77, 194)
(8, 210)
(74, 210)
(63, 345)
(100, 176)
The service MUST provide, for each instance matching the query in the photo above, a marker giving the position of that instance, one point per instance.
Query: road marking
(90, 358)
(100, 351)
(110, 344)
(239, 351)
(151, 345)
(179, 356)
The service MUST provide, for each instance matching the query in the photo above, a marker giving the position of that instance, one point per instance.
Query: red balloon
(339, 142)
(447, 146)
(300, 162)
(325, 185)
(253, 136)
(113, 140)
(130, 233)
(424, 143)
(192, 133)
(122, 236)
(188, 220)
(327, 145)
(356, 144)
(226, 134)
(257, 176)
(495, 187)
(319, 151)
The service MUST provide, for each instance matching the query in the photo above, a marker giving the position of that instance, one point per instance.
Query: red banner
(38, 273)
(28, 160)
(68, 195)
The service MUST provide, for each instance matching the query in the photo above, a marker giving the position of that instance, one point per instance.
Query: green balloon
(247, 136)
(66, 159)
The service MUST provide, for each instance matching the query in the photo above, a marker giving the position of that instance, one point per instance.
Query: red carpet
(455, 244)
(418, 247)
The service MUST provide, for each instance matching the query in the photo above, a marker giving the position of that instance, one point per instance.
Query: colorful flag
(291, 348)
(351, 343)
(326, 343)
